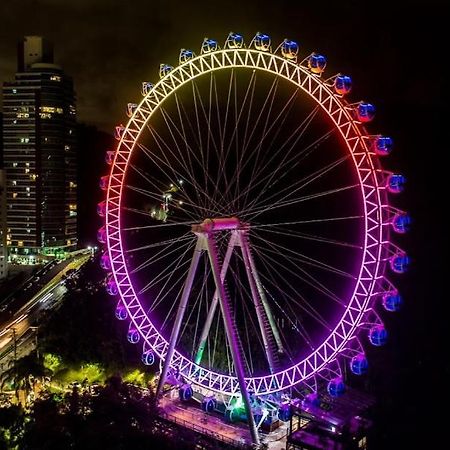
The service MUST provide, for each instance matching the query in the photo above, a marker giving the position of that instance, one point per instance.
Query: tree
(11, 426)
(24, 373)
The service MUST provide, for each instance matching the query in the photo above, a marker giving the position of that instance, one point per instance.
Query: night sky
(392, 51)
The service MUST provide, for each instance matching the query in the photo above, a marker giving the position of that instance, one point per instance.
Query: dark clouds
(110, 46)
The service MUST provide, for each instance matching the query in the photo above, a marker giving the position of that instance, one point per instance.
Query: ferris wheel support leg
(262, 294)
(200, 246)
(257, 301)
(213, 307)
(232, 335)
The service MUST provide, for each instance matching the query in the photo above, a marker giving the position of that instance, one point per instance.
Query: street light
(35, 329)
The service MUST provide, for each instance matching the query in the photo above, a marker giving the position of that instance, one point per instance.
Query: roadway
(17, 321)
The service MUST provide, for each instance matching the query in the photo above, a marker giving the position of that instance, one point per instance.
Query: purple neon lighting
(372, 190)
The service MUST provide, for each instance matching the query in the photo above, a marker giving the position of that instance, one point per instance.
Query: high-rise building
(39, 156)
(3, 250)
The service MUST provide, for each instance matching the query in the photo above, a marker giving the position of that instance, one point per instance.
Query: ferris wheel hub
(217, 224)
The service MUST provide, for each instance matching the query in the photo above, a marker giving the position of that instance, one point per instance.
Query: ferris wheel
(247, 226)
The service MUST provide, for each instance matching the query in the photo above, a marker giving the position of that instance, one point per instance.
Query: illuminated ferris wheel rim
(343, 339)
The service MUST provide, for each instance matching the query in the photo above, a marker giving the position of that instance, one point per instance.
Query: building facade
(39, 156)
(3, 250)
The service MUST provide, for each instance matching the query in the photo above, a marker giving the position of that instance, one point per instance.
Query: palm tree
(23, 374)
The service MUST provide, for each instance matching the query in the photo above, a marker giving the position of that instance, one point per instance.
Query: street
(18, 333)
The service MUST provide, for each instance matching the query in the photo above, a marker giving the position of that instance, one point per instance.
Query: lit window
(67, 147)
(22, 115)
(19, 243)
(14, 91)
(73, 206)
(14, 182)
(27, 164)
(45, 115)
(28, 189)
(55, 78)
(14, 164)
(27, 170)
(14, 194)
(24, 140)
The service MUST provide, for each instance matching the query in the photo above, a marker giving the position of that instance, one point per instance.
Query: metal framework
(342, 341)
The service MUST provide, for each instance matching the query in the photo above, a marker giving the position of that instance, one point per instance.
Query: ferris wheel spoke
(160, 255)
(283, 170)
(213, 182)
(198, 188)
(310, 280)
(222, 153)
(307, 221)
(246, 157)
(168, 242)
(310, 237)
(282, 115)
(304, 305)
(302, 258)
(258, 211)
(167, 272)
(187, 147)
(162, 164)
(169, 223)
(286, 163)
(189, 175)
(269, 278)
(173, 304)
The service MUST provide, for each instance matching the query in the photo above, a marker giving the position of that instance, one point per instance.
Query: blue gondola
(164, 69)
(105, 262)
(103, 183)
(365, 112)
(146, 87)
(185, 392)
(101, 209)
(400, 263)
(186, 55)
(262, 42)
(111, 287)
(378, 335)
(336, 387)
(359, 364)
(289, 49)
(209, 45)
(148, 358)
(401, 223)
(121, 312)
(209, 404)
(133, 336)
(342, 84)
(101, 235)
(234, 40)
(396, 183)
(383, 145)
(392, 301)
(317, 63)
